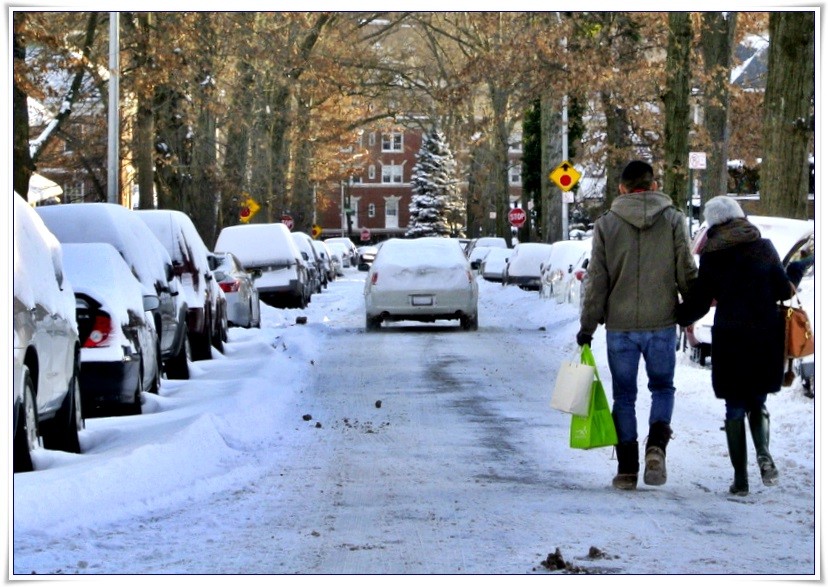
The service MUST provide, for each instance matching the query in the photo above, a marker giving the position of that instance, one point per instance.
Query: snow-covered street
(320, 449)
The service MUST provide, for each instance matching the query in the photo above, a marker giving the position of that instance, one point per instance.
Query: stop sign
(517, 217)
(287, 220)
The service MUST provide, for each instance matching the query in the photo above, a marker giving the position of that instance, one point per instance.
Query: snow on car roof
(37, 256)
(97, 270)
(116, 225)
(259, 244)
(425, 251)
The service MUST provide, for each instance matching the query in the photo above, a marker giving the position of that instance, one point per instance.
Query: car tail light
(99, 334)
(470, 276)
(374, 278)
(579, 274)
(230, 286)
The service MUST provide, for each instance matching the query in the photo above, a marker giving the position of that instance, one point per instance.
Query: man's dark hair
(637, 175)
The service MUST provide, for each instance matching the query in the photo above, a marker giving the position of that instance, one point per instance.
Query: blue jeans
(735, 409)
(624, 352)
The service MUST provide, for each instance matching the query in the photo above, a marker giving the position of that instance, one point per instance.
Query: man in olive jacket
(640, 262)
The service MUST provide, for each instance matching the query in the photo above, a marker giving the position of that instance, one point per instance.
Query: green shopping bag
(597, 428)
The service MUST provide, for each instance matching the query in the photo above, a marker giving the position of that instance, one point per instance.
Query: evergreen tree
(434, 185)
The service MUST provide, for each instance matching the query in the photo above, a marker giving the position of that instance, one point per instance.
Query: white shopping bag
(573, 388)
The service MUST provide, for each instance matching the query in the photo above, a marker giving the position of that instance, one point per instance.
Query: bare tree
(789, 115)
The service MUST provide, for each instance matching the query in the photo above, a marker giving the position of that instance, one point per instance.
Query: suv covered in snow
(269, 253)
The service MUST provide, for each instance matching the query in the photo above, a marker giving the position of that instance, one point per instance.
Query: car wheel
(468, 322)
(202, 343)
(133, 408)
(25, 438)
(372, 323)
(177, 367)
(61, 433)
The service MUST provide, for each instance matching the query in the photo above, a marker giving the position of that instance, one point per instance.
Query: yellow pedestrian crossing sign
(316, 230)
(565, 176)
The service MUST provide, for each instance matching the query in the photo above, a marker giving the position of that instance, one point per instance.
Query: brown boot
(655, 464)
(627, 477)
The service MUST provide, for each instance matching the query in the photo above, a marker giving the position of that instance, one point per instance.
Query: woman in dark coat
(742, 272)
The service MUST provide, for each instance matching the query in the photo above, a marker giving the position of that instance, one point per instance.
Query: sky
(202, 444)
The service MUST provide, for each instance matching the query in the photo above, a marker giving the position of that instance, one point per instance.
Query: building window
(372, 210)
(392, 174)
(74, 191)
(372, 172)
(392, 142)
(514, 175)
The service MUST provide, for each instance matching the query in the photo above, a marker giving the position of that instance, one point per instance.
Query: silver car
(423, 279)
(46, 400)
(243, 308)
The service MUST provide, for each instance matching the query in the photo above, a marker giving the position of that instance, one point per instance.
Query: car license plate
(422, 300)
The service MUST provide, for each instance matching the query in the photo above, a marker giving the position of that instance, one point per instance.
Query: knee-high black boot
(627, 477)
(759, 421)
(737, 448)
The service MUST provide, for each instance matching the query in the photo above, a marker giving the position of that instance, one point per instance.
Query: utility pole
(114, 130)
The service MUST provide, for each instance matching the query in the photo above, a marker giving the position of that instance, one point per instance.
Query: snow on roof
(256, 245)
(97, 270)
(37, 260)
(116, 225)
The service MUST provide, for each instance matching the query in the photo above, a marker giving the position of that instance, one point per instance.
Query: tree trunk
(618, 145)
(677, 109)
(789, 120)
(238, 144)
(23, 164)
(302, 192)
(717, 33)
(500, 169)
(143, 144)
(551, 153)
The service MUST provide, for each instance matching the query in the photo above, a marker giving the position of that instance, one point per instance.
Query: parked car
(148, 260)
(353, 256)
(120, 354)
(328, 262)
(206, 306)
(341, 257)
(524, 266)
(493, 265)
(485, 241)
(423, 279)
(318, 278)
(268, 252)
(478, 254)
(239, 289)
(788, 236)
(563, 271)
(367, 254)
(46, 400)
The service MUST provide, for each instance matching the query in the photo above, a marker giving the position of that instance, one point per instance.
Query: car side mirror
(475, 265)
(170, 271)
(208, 276)
(151, 303)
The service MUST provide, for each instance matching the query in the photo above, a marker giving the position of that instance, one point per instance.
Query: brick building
(379, 194)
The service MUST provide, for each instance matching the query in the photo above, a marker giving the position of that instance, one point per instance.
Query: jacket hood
(731, 233)
(641, 209)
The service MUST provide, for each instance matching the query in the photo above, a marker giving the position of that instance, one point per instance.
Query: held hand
(583, 339)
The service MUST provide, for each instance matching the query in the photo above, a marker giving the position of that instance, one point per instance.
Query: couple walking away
(640, 263)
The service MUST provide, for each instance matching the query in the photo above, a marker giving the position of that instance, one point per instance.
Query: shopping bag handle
(586, 355)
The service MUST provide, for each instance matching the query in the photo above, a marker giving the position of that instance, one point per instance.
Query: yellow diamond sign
(248, 209)
(565, 176)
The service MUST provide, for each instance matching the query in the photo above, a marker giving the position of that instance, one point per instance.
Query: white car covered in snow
(564, 269)
(423, 279)
(524, 266)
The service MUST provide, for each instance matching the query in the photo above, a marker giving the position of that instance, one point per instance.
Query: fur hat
(720, 209)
